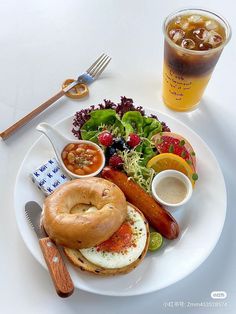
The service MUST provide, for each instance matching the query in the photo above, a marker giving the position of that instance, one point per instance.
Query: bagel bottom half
(104, 263)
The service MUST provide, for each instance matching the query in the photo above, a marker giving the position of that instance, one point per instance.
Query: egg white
(118, 260)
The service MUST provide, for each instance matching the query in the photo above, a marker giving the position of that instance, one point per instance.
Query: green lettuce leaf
(105, 117)
(150, 127)
(147, 150)
(133, 122)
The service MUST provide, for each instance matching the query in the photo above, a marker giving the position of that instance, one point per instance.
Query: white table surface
(42, 43)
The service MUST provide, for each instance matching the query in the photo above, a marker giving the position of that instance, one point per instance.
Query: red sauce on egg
(119, 241)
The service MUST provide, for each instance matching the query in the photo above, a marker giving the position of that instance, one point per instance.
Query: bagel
(83, 213)
(108, 263)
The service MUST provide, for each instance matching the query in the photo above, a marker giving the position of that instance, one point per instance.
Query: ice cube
(205, 46)
(188, 43)
(185, 26)
(178, 20)
(201, 33)
(195, 19)
(214, 38)
(176, 34)
(211, 25)
(182, 22)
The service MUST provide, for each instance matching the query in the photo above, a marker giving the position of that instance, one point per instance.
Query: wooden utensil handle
(58, 271)
(5, 134)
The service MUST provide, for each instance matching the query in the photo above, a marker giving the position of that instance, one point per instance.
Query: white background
(44, 42)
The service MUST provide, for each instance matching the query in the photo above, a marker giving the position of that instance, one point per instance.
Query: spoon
(59, 142)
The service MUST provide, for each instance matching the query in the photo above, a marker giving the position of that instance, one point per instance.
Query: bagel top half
(83, 213)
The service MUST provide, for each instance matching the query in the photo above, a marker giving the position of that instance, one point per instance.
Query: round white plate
(201, 221)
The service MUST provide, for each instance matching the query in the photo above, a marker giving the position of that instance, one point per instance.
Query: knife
(56, 266)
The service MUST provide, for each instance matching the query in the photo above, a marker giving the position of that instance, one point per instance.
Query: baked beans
(82, 158)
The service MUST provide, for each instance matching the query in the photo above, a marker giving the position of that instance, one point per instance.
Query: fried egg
(124, 247)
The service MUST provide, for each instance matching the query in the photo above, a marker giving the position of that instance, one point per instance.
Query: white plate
(201, 221)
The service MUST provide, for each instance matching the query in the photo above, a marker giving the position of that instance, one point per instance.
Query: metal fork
(91, 74)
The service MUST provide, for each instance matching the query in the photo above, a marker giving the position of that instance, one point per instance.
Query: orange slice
(171, 161)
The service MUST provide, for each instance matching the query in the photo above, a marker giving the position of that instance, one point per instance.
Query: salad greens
(150, 127)
(139, 173)
(125, 105)
(122, 120)
(147, 150)
(131, 122)
(98, 119)
(135, 160)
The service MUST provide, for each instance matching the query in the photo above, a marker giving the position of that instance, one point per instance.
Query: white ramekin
(175, 174)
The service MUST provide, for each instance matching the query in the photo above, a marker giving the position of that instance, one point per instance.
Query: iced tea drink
(194, 40)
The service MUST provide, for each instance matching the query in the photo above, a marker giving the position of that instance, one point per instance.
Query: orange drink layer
(194, 40)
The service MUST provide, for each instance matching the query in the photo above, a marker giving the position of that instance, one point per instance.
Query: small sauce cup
(171, 188)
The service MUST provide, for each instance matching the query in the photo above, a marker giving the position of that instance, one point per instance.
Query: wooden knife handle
(8, 132)
(58, 271)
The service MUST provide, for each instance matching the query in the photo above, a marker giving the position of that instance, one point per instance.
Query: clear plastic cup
(186, 72)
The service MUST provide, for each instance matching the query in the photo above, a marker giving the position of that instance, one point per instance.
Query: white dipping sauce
(171, 190)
